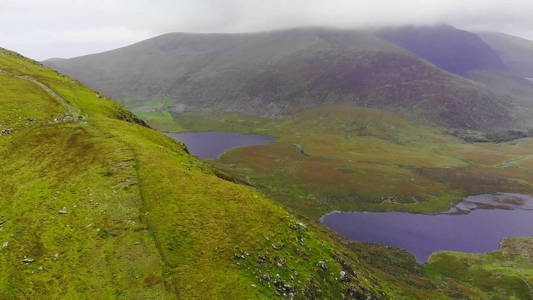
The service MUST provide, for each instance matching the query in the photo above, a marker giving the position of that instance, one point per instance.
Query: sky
(44, 29)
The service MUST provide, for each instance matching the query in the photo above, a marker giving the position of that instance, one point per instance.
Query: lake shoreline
(477, 224)
(212, 144)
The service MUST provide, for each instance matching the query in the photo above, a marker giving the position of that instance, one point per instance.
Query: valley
(231, 164)
(341, 158)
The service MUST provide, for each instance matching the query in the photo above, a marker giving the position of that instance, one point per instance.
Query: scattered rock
(262, 259)
(237, 256)
(354, 293)
(278, 283)
(281, 262)
(288, 288)
(343, 278)
(65, 117)
(300, 223)
(277, 247)
(322, 265)
(27, 261)
(7, 131)
(5, 244)
(301, 149)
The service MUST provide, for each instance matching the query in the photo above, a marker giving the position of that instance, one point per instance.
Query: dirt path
(512, 161)
(72, 111)
(528, 285)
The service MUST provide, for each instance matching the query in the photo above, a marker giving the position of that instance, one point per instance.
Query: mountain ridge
(269, 73)
(457, 51)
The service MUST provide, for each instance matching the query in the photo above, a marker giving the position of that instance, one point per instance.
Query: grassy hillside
(507, 271)
(94, 204)
(269, 74)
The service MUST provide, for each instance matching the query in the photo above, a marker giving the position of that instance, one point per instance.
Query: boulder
(322, 265)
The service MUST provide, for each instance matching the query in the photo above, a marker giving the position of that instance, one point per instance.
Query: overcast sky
(42, 29)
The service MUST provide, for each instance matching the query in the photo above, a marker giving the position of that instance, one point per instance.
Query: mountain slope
(93, 204)
(269, 74)
(515, 52)
(454, 50)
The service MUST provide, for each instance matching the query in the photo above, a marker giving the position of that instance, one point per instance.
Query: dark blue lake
(211, 144)
(476, 225)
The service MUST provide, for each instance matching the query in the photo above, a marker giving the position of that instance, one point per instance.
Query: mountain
(272, 73)
(498, 61)
(451, 49)
(515, 52)
(94, 204)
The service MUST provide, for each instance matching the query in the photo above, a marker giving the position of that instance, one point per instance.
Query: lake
(476, 225)
(211, 144)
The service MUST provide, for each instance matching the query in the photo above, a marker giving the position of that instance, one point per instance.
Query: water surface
(476, 225)
(211, 144)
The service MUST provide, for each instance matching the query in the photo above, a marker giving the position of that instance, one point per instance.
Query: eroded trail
(512, 161)
(72, 110)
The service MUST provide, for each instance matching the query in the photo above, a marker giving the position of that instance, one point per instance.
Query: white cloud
(61, 28)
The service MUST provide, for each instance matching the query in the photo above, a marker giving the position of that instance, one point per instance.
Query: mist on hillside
(72, 29)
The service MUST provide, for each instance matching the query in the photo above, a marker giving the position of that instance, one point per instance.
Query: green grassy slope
(507, 271)
(93, 204)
